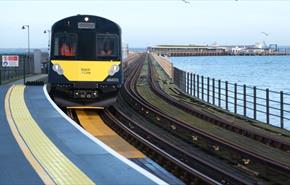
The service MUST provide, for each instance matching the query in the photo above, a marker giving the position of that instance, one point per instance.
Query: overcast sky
(152, 22)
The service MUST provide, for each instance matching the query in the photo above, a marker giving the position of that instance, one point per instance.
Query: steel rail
(183, 130)
(224, 123)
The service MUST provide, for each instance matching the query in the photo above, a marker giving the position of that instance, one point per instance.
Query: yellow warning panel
(93, 123)
(50, 163)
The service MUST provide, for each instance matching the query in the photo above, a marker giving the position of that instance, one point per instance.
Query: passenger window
(65, 44)
(107, 45)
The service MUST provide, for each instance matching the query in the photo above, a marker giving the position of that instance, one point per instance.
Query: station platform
(39, 144)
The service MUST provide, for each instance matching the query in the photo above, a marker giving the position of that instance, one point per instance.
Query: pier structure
(216, 50)
(187, 50)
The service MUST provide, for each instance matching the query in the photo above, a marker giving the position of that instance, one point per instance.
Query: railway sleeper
(206, 116)
(175, 169)
(203, 143)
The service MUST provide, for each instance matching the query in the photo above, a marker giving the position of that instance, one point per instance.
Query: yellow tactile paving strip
(50, 163)
(92, 122)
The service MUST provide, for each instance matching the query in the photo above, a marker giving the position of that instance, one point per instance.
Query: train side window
(107, 45)
(65, 44)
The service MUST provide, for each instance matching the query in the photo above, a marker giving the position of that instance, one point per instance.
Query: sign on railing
(10, 60)
(264, 105)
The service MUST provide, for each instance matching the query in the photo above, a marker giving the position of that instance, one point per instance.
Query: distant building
(125, 51)
(259, 48)
(186, 50)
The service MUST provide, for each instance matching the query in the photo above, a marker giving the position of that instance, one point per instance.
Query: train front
(85, 67)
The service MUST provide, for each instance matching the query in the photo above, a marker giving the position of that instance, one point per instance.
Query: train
(85, 67)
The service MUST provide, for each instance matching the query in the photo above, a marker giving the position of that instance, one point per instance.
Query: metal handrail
(246, 98)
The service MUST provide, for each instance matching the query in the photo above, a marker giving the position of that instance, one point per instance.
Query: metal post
(194, 85)
(245, 100)
(202, 88)
(213, 91)
(28, 55)
(191, 84)
(187, 78)
(267, 107)
(235, 98)
(281, 110)
(0, 76)
(255, 103)
(180, 78)
(15, 72)
(208, 89)
(197, 86)
(227, 95)
(184, 81)
(28, 34)
(219, 92)
(48, 48)
(5, 74)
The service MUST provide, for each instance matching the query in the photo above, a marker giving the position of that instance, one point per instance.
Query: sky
(153, 22)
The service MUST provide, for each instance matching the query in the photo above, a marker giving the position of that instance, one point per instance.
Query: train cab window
(107, 45)
(65, 44)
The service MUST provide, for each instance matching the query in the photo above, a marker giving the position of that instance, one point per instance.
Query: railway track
(273, 140)
(188, 157)
(171, 156)
(192, 154)
(149, 144)
(238, 155)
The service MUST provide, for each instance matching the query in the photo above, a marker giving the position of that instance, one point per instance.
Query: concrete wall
(166, 65)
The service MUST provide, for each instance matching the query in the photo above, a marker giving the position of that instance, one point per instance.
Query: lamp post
(28, 55)
(45, 66)
(48, 33)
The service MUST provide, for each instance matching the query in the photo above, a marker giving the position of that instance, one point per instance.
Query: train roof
(83, 18)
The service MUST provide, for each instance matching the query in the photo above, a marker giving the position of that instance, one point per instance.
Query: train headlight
(114, 69)
(57, 68)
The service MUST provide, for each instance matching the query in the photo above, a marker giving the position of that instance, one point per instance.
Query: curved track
(189, 160)
(176, 127)
(273, 140)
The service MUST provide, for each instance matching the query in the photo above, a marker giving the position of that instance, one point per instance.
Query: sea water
(272, 72)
